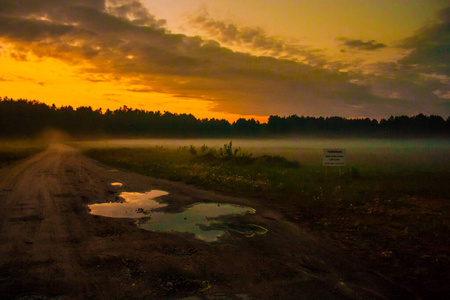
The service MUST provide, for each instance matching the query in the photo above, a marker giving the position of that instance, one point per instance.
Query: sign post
(333, 158)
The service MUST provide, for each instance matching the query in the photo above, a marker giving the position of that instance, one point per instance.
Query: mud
(52, 247)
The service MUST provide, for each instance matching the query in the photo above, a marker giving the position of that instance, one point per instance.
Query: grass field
(391, 204)
(386, 190)
(390, 174)
(13, 150)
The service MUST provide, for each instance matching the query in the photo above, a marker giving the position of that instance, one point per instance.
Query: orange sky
(54, 81)
(230, 59)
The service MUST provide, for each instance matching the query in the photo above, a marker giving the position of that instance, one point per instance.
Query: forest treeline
(25, 118)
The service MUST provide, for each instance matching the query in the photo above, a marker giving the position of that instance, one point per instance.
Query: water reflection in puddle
(135, 205)
(200, 219)
(116, 183)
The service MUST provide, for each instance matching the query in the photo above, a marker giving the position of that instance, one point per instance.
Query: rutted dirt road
(51, 247)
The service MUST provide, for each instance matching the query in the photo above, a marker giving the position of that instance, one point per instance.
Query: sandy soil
(51, 247)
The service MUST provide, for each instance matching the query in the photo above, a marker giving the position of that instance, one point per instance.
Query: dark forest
(28, 118)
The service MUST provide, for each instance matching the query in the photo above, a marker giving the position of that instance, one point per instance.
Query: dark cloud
(18, 56)
(422, 76)
(96, 80)
(255, 38)
(413, 92)
(140, 90)
(430, 46)
(122, 40)
(361, 45)
(135, 12)
(419, 82)
(22, 78)
(31, 30)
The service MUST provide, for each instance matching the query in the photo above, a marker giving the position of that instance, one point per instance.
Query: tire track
(36, 231)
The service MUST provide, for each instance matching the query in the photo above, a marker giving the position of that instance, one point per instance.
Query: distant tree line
(24, 118)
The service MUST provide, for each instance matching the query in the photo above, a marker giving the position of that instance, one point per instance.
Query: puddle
(116, 183)
(248, 230)
(204, 220)
(201, 219)
(135, 205)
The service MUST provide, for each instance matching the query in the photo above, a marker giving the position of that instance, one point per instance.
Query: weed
(192, 150)
(355, 173)
(204, 149)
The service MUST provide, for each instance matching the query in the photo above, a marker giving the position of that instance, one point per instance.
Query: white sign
(333, 157)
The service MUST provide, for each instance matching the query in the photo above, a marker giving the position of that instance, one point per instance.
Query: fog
(309, 151)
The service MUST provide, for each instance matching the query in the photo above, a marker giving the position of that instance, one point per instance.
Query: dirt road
(51, 247)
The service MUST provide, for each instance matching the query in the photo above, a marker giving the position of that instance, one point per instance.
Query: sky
(230, 59)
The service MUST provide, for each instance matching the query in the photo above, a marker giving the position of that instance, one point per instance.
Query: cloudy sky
(229, 58)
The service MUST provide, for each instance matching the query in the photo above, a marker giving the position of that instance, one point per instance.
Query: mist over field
(309, 151)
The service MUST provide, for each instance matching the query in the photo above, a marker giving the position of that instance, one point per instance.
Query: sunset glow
(230, 59)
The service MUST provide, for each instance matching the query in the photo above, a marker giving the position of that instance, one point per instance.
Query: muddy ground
(51, 247)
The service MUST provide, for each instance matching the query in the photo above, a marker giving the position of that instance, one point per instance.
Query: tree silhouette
(25, 118)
